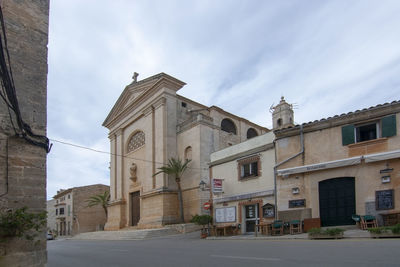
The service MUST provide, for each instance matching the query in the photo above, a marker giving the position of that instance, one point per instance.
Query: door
(135, 208)
(251, 218)
(337, 201)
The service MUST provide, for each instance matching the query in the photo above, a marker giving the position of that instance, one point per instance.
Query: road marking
(246, 258)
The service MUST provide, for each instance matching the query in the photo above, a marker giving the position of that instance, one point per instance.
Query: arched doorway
(337, 201)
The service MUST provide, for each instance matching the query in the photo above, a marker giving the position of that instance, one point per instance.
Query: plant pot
(384, 235)
(325, 236)
(203, 235)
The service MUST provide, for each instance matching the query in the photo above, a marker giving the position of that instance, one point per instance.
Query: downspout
(283, 162)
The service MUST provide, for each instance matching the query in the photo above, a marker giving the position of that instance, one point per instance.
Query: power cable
(113, 154)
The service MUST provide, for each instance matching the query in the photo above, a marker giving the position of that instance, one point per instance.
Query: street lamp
(203, 186)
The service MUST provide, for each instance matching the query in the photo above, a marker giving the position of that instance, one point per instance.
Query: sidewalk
(348, 234)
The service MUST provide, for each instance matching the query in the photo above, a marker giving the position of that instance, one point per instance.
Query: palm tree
(100, 199)
(176, 167)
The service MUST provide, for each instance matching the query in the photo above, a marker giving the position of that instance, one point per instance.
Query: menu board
(384, 199)
(225, 214)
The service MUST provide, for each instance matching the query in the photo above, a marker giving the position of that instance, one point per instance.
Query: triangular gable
(135, 90)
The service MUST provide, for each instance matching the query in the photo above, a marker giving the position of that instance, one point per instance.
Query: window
(251, 132)
(188, 153)
(183, 104)
(249, 167)
(228, 126)
(136, 141)
(384, 127)
(56, 211)
(69, 196)
(61, 211)
(69, 210)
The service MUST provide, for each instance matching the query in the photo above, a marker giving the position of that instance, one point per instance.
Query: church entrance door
(135, 208)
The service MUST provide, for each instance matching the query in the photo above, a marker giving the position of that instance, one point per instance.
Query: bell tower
(282, 115)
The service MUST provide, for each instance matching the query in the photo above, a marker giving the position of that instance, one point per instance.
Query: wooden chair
(357, 219)
(369, 221)
(277, 227)
(295, 227)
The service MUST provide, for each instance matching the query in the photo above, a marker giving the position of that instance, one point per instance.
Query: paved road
(189, 250)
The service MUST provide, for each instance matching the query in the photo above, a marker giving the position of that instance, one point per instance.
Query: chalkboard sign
(268, 211)
(384, 200)
(298, 203)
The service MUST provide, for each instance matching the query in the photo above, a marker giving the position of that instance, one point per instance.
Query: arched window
(279, 121)
(251, 132)
(188, 153)
(137, 140)
(228, 126)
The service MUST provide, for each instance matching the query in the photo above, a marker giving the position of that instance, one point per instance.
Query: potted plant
(203, 220)
(330, 233)
(388, 231)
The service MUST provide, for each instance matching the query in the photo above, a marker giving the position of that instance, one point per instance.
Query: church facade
(149, 124)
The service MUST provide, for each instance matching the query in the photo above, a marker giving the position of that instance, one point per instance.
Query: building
(51, 216)
(244, 173)
(73, 216)
(149, 124)
(23, 162)
(339, 166)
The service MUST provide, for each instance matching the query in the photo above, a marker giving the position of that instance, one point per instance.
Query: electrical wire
(114, 154)
(9, 96)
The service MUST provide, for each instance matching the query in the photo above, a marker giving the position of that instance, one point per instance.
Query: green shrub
(201, 219)
(20, 223)
(329, 231)
(396, 229)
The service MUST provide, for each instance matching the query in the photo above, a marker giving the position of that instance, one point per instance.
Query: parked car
(50, 236)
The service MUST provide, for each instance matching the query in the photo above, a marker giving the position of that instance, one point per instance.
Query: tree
(100, 199)
(176, 167)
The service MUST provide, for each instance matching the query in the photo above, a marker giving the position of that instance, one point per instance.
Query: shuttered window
(386, 127)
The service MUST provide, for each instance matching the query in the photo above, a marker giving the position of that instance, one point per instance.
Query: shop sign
(217, 185)
(225, 214)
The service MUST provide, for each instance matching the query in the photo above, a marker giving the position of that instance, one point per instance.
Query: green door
(337, 201)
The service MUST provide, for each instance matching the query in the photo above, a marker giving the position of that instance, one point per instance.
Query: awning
(321, 166)
(382, 156)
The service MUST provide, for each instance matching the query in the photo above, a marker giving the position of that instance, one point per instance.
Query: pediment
(134, 91)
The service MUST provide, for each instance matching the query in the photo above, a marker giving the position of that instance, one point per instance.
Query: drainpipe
(283, 162)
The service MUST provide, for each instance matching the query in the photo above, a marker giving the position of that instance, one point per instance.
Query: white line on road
(245, 258)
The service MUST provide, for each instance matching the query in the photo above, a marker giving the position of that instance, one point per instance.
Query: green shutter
(389, 126)
(348, 134)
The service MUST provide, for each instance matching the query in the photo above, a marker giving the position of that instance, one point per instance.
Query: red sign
(207, 205)
(217, 185)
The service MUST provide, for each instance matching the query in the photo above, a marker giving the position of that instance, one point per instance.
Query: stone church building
(149, 124)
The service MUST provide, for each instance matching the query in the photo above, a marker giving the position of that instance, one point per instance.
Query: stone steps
(138, 234)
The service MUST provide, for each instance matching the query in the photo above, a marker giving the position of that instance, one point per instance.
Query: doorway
(251, 217)
(337, 201)
(135, 207)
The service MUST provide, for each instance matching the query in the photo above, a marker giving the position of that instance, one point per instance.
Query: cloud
(328, 57)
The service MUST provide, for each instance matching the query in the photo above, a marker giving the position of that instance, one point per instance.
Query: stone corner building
(149, 124)
(23, 165)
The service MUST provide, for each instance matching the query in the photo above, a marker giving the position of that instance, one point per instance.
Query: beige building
(242, 183)
(339, 166)
(72, 214)
(149, 124)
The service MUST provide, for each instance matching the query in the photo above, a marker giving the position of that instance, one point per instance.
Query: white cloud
(329, 57)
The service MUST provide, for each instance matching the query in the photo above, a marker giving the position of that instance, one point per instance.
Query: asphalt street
(190, 250)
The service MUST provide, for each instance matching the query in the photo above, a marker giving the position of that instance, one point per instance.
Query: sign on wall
(298, 203)
(384, 199)
(217, 185)
(225, 214)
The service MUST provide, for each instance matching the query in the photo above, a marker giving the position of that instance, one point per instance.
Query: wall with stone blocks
(21, 164)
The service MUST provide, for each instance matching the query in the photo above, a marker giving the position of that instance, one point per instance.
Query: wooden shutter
(348, 134)
(389, 126)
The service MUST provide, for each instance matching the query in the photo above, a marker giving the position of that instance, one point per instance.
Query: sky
(325, 57)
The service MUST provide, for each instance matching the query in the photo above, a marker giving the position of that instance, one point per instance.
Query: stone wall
(87, 219)
(21, 164)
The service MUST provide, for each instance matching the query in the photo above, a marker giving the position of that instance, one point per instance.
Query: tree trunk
(180, 199)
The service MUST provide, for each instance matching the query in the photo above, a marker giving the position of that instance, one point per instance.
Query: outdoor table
(264, 227)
